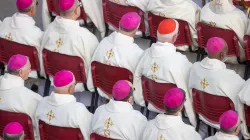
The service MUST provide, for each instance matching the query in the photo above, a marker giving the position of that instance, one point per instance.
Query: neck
(28, 14)
(126, 33)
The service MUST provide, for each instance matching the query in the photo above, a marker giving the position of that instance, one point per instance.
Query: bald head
(217, 48)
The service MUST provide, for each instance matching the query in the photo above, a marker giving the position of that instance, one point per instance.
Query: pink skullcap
(130, 21)
(228, 119)
(215, 45)
(174, 98)
(23, 4)
(63, 78)
(121, 90)
(13, 128)
(65, 5)
(17, 62)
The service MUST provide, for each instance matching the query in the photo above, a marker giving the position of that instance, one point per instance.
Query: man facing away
(211, 75)
(13, 131)
(186, 10)
(169, 126)
(229, 127)
(14, 96)
(119, 48)
(223, 14)
(65, 36)
(21, 26)
(118, 119)
(61, 108)
(163, 64)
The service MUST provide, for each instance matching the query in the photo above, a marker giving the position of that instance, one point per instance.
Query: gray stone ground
(7, 8)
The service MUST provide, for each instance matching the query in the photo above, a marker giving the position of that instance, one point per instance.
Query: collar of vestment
(221, 6)
(160, 49)
(120, 39)
(118, 106)
(63, 25)
(172, 2)
(20, 20)
(9, 81)
(163, 121)
(57, 99)
(212, 64)
(223, 136)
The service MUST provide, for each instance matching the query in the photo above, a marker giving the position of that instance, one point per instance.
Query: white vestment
(93, 9)
(65, 36)
(244, 100)
(163, 64)
(168, 127)
(211, 76)
(185, 10)
(21, 28)
(118, 120)
(223, 14)
(63, 110)
(116, 50)
(222, 136)
(141, 4)
(15, 97)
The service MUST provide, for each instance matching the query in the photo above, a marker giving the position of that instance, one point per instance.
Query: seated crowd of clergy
(161, 63)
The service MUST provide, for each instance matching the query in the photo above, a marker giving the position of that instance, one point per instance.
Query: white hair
(170, 35)
(67, 86)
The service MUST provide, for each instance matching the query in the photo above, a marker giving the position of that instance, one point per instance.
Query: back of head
(221, 6)
(64, 82)
(70, 9)
(174, 100)
(19, 65)
(168, 31)
(217, 48)
(122, 91)
(13, 131)
(27, 6)
(230, 123)
(130, 23)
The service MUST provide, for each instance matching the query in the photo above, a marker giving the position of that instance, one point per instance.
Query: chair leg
(93, 102)
(209, 128)
(96, 99)
(2, 68)
(215, 130)
(246, 70)
(197, 123)
(142, 110)
(198, 55)
(147, 113)
(107, 29)
(47, 87)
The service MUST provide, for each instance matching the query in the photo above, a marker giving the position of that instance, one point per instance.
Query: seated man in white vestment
(186, 10)
(61, 108)
(211, 75)
(117, 119)
(169, 126)
(223, 14)
(229, 127)
(141, 4)
(119, 48)
(244, 100)
(21, 26)
(14, 96)
(92, 8)
(13, 131)
(163, 64)
(65, 36)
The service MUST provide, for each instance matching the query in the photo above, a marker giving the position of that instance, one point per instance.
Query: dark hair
(12, 137)
(129, 95)
(171, 111)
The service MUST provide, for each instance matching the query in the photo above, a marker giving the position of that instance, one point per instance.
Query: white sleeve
(84, 119)
(45, 15)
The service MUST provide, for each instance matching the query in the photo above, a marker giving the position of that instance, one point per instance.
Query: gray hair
(13, 137)
(68, 12)
(229, 131)
(16, 72)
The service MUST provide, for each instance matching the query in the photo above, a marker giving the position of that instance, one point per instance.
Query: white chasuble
(15, 97)
(93, 9)
(168, 127)
(141, 4)
(212, 77)
(163, 64)
(65, 36)
(185, 10)
(63, 110)
(223, 14)
(222, 136)
(244, 100)
(118, 120)
(116, 50)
